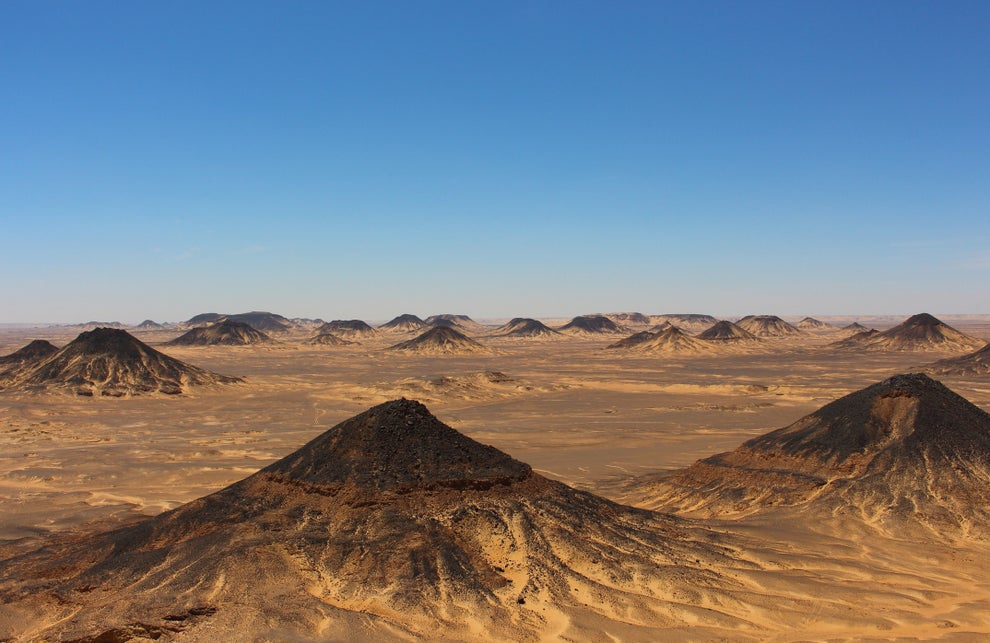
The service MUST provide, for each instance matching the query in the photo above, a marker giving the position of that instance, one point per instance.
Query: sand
(577, 413)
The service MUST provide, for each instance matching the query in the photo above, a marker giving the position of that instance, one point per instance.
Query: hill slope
(391, 525)
(905, 450)
(111, 362)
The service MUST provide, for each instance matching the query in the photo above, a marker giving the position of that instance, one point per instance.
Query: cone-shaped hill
(349, 328)
(525, 327)
(111, 362)
(405, 324)
(264, 321)
(441, 341)
(856, 340)
(225, 333)
(591, 325)
(975, 363)
(34, 352)
(391, 525)
(726, 331)
(907, 450)
(855, 327)
(691, 322)
(810, 323)
(461, 322)
(668, 341)
(14, 365)
(629, 319)
(921, 332)
(260, 320)
(149, 324)
(767, 326)
(329, 339)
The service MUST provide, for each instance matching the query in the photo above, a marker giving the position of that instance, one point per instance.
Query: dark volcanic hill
(906, 449)
(726, 331)
(14, 365)
(405, 324)
(111, 362)
(526, 327)
(264, 321)
(668, 341)
(204, 318)
(921, 332)
(149, 324)
(629, 319)
(690, 322)
(855, 327)
(226, 333)
(975, 363)
(854, 341)
(259, 320)
(391, 525)
(441, 341)
(767, 326)
(462, 323)
(353, 328)
(329, 339)
(810, 323)
(34, 352)
(591, 325)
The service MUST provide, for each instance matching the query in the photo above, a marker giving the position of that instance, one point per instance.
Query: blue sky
(365, 159)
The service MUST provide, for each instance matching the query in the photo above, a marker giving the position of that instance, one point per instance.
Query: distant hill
(112, 363)
(347, 328)
(668, 341)
(726, 331)
(810, 323)
(767, 326)
(591, 325)
(441, 341)
(259, 320)
(629, 319)
(225, 333)
(918, 333)
(329, 339)
(690, 322)
(406, 323)
(461, 322)
(526, 327)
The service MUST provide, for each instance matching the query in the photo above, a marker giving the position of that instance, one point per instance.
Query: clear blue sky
(364, 159)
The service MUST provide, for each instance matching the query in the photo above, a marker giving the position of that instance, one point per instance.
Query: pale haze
(337, 160)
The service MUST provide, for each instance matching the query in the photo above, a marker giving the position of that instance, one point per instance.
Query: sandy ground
(576, 412)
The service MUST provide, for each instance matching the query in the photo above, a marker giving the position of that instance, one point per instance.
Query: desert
(529, 490)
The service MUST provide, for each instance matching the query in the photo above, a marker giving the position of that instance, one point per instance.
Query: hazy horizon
(534, 159)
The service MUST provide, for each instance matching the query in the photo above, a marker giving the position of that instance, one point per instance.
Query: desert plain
(596, 419)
